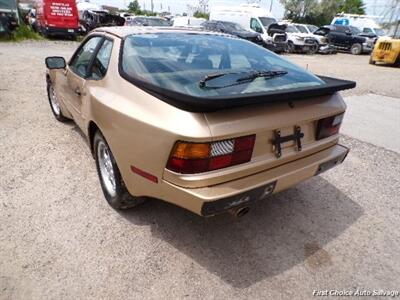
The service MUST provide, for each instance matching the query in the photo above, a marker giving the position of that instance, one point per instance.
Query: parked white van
(253, 17)
(365, 23)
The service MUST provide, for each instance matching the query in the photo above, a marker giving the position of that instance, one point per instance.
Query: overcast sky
(373, 7)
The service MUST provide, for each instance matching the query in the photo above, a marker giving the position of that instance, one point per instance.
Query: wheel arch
(48, 79)
(92, 128)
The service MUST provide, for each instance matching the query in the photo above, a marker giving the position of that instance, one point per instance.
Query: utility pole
(152, 6)
(270, 6)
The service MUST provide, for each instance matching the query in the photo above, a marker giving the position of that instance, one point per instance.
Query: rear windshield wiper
(249, 77)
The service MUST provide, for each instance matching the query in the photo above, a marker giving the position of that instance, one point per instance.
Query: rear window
(180, 61)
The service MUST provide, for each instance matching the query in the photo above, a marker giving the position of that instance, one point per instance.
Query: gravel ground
(60, 240)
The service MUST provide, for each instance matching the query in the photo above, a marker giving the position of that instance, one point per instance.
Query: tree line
(320, 12)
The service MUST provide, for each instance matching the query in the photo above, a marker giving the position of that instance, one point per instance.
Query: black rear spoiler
(209, 104)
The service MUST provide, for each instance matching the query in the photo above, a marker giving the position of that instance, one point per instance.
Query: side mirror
(348, 32)
(55, 62)
(259, 30)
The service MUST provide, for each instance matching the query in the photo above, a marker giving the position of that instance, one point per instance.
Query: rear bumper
(56, 31)
(208, 201)
(385, 56)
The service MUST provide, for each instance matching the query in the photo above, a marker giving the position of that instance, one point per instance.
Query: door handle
(78, 91)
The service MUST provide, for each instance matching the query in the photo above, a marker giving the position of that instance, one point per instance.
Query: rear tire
(356, 49)
(111, 181)
(55, 104)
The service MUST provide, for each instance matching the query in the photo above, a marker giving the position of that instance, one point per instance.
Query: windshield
(312, 28)
(233, 26)
(355, 30)
(180, 61)
(267, 21)
(322, 31)
(301, 28)
(292, 29)
(379, 32)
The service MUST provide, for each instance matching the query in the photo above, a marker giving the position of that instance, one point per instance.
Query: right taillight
(191, 158)
(329, 126)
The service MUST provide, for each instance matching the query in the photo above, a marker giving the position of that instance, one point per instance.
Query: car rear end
(60, 18)
(229, 139)
(256, 152)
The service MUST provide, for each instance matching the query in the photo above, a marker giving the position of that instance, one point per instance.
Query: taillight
(329, 126)
(191, 158)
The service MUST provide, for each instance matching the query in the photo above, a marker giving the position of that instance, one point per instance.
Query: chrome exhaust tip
(239, 211)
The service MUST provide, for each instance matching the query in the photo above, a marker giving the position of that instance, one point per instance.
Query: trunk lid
(265, 121)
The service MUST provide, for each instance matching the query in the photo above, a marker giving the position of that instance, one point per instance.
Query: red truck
(57, 18)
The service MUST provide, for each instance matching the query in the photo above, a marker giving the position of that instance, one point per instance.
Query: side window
(367, 30)
(255, 25)
(81, 60)
(101, 61)
(341, 29)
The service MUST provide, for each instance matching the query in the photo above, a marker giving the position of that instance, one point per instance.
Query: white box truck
(253, 17)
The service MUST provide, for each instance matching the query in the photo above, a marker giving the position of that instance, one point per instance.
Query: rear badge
(279, 140)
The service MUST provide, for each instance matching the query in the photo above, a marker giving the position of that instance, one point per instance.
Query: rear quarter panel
(140, 129)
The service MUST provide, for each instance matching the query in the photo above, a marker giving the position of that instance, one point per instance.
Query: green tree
(298, 9)
(353, 7)
(134, 7)
(320, 12)
(199, 14)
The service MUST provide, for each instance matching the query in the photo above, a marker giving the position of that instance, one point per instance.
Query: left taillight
(329, 126)
(192, 158)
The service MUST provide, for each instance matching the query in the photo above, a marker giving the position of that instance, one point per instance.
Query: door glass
(255, 25)
(101, 61)
(81, 60)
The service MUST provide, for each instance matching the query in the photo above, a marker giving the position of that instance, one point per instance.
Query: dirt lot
(60, 240)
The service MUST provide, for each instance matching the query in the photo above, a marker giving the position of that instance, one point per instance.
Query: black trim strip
(209, 104)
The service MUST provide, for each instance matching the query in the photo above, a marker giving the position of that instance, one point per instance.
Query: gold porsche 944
(202, 120)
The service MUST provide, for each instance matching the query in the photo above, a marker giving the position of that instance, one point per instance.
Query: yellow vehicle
(387, 49)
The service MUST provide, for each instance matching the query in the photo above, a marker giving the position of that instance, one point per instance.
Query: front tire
(397, 63)
(314, 48)
(111, 181)
(371, 61)
(290, 47)
(55, 104)
(356, 49)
